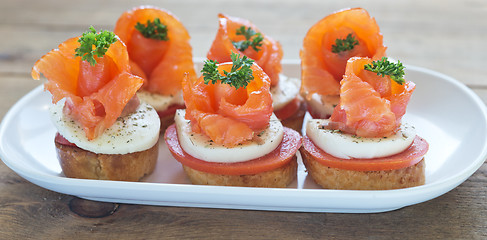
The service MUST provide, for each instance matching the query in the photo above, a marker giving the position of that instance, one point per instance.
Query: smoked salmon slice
(227, 115)
(162, 63)
(370, 105)
(268, 56)
(322, 67)
(95, 95)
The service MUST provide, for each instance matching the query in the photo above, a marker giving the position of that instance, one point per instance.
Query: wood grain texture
(445, 36)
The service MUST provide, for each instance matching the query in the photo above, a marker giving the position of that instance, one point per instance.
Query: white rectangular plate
(445, 112)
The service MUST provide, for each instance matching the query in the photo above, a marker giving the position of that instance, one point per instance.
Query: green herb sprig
(385, 68)
(239, 76)
(346, 44)
(94, 44)
(252, 39)
(153, 29)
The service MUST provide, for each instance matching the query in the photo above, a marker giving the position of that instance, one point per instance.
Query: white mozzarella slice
(200, 146)
(160, 102)
(135, 132)
(323, 105)
(284, 92)
(348, 146)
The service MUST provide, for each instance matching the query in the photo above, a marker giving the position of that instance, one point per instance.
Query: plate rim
(39, 177)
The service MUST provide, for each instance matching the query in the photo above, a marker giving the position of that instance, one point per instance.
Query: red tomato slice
(284, 153)
(406, 158)
(288, 110)
(170, 110)
(63, 141)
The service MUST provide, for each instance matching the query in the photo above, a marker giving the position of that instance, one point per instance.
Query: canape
(364, 145)
(159, 52)
(228, 134)
(241, 36)
(327, 47)
(104, 131)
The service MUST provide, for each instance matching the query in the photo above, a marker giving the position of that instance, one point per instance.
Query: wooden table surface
(445, 36)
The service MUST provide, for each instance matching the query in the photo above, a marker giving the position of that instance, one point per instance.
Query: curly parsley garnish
(155, 30)
(384, 67)
(252, 39)
(239, 76)
(94, 44)
(346, 44)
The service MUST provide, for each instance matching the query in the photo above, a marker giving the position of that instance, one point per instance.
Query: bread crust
(79, 163)
(278, 178)
(295, 122)
(166, 121)
(335, 178)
